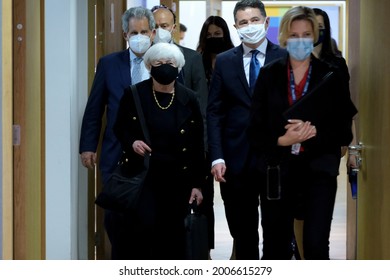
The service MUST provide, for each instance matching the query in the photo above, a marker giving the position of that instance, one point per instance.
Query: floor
(223, 240)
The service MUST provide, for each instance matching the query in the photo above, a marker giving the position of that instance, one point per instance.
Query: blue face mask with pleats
(300, 48)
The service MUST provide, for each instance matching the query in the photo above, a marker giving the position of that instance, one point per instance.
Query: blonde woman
(304, 147)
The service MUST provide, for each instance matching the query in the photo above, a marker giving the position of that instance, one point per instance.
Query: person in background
(183, 30)
(114, 73)
(176, 171)
(214, 38)
(326, 49)
(228, 111)
(304, 153)
(193, 77)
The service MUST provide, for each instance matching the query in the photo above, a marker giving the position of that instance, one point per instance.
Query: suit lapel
(182, 112)
(124, 67)
(181, 76)
(238, 61)
(271, 54)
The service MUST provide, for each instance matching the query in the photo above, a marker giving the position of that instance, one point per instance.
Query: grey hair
(164, 51)
(138, 13)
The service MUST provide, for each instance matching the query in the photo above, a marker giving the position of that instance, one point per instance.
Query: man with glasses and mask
(114, 73)
(228, 115)
(192, 76)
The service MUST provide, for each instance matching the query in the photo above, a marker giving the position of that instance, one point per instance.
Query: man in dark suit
(114, 73)
(228, 115)
(193, 77)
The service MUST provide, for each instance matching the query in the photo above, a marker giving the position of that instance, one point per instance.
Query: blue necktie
(254, 69)
(137, 72)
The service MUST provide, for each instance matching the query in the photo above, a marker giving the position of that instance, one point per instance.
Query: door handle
(353, 172)
(356, 150)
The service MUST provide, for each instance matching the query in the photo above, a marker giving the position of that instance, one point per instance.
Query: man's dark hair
(243, 4)
(183, 28)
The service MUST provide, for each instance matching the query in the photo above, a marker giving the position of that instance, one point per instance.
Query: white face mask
(252, 33)
(162, 36)
(139, 43)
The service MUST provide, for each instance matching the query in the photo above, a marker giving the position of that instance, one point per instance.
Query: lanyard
(292, 84)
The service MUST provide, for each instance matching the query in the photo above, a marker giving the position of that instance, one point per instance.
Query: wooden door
(28, 121)
(373, 204)
(353, 40)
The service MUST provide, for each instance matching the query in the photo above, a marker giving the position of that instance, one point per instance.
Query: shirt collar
(132, 55)
(262, 48)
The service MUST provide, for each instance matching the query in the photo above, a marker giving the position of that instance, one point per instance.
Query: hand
(218, 172)
(196, 194)
(352, 161)
(297, 132)
(88, 159)
(140, 147)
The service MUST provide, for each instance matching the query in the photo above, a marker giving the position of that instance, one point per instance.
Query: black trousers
(207, 206)
(240, 196)
(155, 230)
(307, 194)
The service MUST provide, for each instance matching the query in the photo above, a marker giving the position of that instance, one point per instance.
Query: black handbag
(121, 192)
(196, 234)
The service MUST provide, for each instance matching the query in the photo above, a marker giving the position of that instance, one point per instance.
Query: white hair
(164, 51)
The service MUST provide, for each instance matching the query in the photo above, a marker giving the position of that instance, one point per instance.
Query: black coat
(270, 100)
(189, 153)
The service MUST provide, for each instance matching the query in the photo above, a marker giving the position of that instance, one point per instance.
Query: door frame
(105, 36)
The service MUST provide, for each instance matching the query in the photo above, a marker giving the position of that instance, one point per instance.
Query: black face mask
(320, 37)
(216, 45)
(164, 74)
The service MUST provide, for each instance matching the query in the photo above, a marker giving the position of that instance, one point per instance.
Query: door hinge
(16, 135)
(97, 239)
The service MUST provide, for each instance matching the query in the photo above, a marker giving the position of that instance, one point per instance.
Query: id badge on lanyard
(295, 148)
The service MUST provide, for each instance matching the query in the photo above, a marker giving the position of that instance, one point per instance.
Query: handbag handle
(141, 115)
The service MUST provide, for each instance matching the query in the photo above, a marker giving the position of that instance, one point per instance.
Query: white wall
(192, 15)
(66, 92)
(1, 132)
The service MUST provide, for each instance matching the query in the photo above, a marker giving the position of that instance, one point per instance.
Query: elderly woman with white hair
(173, 117)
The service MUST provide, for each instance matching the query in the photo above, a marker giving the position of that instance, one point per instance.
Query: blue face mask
(300, 48)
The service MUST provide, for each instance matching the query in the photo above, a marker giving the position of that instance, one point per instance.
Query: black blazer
(270, 100)
(229, 106)
(189, 137)
(193, 77)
